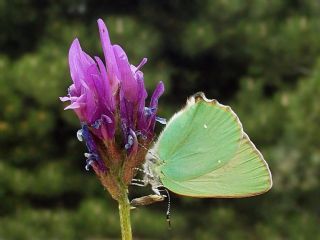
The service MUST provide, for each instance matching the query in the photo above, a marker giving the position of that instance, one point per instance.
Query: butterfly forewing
(202, 137)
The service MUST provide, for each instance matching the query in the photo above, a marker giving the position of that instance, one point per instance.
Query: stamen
(149, 111)
(88, 164)
(97, 124)
(85, 131)
(91, 157)
(129, 143)
(161, 120)
(87, 138)
(103, 119)
(79, 135)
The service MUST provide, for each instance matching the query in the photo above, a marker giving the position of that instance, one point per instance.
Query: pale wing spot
(205, 126)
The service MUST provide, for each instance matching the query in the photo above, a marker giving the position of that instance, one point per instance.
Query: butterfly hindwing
(246, 174)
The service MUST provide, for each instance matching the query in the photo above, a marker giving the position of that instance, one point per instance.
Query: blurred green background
(262, 57)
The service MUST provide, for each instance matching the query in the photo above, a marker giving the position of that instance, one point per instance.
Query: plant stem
(124, 212)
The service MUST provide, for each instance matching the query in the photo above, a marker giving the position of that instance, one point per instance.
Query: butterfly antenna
(143, 146)
(156, 157)
(168, 209)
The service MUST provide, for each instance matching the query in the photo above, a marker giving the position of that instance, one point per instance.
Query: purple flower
(109, 98)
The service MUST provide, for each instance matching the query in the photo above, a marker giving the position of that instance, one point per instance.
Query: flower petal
(156, 95)
(79, 61)
(151, 116)
(128, 83)
(113, 71)
(74, 105)
(64, 99)
(109, 101)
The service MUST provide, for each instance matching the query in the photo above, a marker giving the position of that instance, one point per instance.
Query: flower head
(109, 99)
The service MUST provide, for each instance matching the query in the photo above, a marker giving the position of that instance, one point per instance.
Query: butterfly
(204, 152)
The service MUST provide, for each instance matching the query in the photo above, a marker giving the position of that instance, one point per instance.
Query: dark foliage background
(262, 57)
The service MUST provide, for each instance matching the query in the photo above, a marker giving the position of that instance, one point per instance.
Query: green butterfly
(204, 152)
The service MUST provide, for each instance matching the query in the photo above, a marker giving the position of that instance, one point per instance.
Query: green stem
(124, 212)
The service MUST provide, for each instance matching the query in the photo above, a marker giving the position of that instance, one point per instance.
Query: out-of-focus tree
(261, 57)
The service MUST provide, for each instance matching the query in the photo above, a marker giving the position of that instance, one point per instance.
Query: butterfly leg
(156, 190)
(139, 182)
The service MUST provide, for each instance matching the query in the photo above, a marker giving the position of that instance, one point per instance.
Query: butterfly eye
(149, 157)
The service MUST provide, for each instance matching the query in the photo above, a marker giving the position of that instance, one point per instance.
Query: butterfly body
(151, 169)
(204, 152)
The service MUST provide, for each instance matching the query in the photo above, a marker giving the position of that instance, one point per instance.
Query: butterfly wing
(200, 138)
(246, 174)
